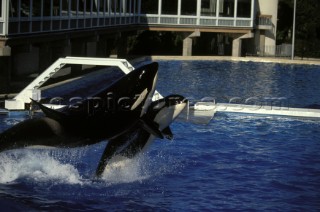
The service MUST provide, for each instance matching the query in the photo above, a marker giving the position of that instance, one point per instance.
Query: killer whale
(116, 108)
(163, 112)
(85, 123)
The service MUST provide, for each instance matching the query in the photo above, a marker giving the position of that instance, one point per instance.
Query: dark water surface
(236, 162)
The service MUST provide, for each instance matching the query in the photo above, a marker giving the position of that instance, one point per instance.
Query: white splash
(36, 166)
(124, 170)
(58, 167)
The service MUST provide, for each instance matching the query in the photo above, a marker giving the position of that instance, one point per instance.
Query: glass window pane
(128, 7)
(36, 8)
(226, 8)
(244, 8)
(208, 7)
(112, 6)
(65, 7)
(149, 7)
(102, 6)
(56, 8)
(117, 6)
(189, 7)
(46, 7)
(13, 8)
(25, 8)
(88, 6)
(81, 7)
(170, 7)
(73, 7)
(94, 6)
(1, 9)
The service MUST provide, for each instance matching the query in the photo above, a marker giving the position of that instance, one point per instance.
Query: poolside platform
(311, 61)
(203, 112)
(268, 110)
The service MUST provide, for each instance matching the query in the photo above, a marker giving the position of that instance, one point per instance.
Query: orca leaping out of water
(113, 110)
(108, 114)
(163, 112)
(115, 113)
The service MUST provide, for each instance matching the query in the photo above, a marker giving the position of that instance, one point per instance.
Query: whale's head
(166, 110)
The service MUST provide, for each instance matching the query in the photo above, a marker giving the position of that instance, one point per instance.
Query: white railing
(60, 23)
(195, 20)
(33, 89)
(27, 25)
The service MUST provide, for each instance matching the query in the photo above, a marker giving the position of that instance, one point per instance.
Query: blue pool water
(236, 162)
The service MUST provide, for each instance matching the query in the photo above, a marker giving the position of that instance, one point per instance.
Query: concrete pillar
(236, 44)
(262, 42)
(236, 47)
(187, 43)
(187, 47)
(5, 51)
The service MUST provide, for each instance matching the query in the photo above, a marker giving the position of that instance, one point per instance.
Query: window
(170, 7)
(101, 6)
(226, 8)
(25, 8)
(208, 7)
(73, 7)
(46, 7)
(244, 8)
(88, 4)
(149, 7)
(13, 8)
(56, 8)
(1, 9)
(128, 9)
(36, 8)
(116, 6)
(65, 8)
(189, 7)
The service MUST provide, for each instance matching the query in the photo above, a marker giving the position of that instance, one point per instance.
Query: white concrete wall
(269, 7)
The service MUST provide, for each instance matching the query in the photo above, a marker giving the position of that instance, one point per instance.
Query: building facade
(34, 33)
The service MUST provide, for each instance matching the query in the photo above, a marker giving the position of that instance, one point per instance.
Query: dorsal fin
(51, 113)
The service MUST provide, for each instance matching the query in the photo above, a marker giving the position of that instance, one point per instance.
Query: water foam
(36, 166)
(124, 170)
(61, 167)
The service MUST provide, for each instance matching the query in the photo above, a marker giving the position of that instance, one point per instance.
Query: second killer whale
(163, 112)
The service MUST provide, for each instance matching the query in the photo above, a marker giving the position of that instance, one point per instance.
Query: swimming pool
(242, 162)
